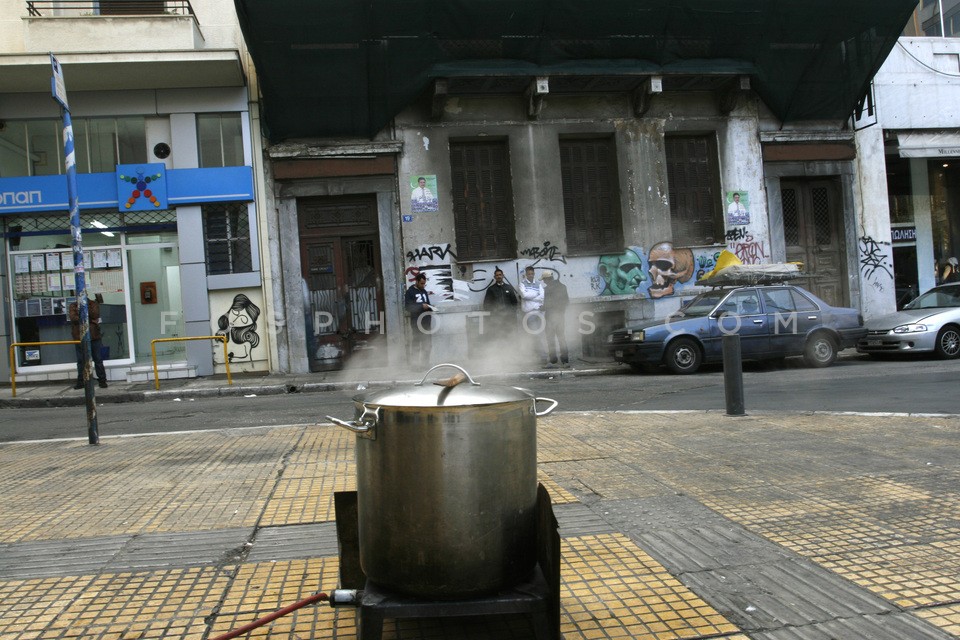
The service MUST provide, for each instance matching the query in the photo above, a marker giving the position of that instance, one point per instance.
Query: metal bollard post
(733, 375)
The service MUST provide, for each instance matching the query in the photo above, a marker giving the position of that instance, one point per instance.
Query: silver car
(931, 323)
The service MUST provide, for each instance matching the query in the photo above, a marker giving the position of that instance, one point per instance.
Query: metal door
(812, 230)
(343, 290)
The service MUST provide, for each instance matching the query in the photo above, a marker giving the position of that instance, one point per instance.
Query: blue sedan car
(773, 321)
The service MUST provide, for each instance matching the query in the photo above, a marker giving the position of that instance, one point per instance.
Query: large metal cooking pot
(447, 485)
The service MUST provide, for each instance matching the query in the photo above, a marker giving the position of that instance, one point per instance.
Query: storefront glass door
(155, 302)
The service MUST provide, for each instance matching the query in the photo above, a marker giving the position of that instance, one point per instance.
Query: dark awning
(346, 67)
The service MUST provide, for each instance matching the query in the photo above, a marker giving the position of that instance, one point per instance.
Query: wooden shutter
(694, 190)
(482, 200)
(591, 201)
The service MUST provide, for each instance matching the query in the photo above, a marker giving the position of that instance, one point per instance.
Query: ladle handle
(548, 409)
(447, 364)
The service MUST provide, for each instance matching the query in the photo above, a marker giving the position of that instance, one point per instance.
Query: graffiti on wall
(429, 252)
(662, 272)
(742, 244)
(548, 251)
(705, 263)
(435, 261)
(875, 259)
(239, 324)
(620, 274)
(669, 267)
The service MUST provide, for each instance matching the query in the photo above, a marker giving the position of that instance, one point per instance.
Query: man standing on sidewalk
(417, 303)
(96, 340)
(531, 301)
(555, 301)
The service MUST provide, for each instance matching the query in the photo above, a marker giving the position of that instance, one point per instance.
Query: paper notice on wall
(37, 263)
(113, 258)
(105, 281)
(21, 264)
(38, 283)
(54, 281)
(21, 285)
(69, 280)
(100, 259)
(53, 262)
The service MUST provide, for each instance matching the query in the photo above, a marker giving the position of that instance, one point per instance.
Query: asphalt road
(854, 383)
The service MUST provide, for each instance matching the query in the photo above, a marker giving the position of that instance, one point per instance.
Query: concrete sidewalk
(673, 525)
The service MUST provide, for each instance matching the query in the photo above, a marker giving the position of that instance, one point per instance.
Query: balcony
(110, 25)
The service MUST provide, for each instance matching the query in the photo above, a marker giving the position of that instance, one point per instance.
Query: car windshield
(702, 304)
(937, 299)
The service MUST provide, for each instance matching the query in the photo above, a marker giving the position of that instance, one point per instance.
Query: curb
(234, 391)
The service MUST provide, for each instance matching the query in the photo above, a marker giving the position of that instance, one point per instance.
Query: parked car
(928, 324)
(773, 321)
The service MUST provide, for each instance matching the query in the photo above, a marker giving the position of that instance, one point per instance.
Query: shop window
(591, 201)
(482, 200)
(35, 147)
(227, 238)
(221, 139)
(693, 181)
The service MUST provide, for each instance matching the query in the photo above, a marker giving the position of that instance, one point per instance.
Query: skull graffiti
(668, 266)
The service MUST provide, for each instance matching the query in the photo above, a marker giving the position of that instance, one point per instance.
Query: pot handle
(364, 426)
(548, 409)
(447, 364)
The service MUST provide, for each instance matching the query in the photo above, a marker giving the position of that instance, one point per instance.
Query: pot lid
(457, 391)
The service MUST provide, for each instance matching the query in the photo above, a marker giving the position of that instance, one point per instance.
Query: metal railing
(153, 352)
(13, 365)
(48, 8)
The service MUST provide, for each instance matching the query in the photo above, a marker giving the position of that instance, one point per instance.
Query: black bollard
(733, 375)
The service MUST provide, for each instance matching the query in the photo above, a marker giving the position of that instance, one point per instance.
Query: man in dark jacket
(500, 302)
(417, 303)
(555, 301)
(96, 342)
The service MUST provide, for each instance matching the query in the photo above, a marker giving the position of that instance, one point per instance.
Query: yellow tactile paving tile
(612, 589)
(262, 588)
(323, 444)
(144, 606)
(908, 575)
(28, 606)
(205, 481)
(558, 495)
(553, 444)
(306, 499)
(946, 617)
(605, 478)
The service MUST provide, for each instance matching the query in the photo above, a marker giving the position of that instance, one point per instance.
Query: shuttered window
(693, 179)
(482, 200)
(591, 201)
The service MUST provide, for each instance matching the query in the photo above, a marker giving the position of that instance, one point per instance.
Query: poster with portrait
(738, 208)
(423, 194)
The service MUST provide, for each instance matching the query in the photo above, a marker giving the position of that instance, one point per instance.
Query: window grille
(226, 233)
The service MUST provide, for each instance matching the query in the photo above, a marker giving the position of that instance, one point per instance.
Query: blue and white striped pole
(80, 283)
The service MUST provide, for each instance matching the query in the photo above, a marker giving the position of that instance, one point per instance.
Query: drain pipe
(317, 597)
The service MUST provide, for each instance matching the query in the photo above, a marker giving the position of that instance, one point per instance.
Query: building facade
(623, 166)
(168, 184)
(917, 91)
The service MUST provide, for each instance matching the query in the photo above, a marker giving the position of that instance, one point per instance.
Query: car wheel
(683, 356)
(821, 350)
(948, 343)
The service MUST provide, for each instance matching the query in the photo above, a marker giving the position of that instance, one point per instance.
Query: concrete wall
(429, 242)
(214, 26)
(918, 86)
